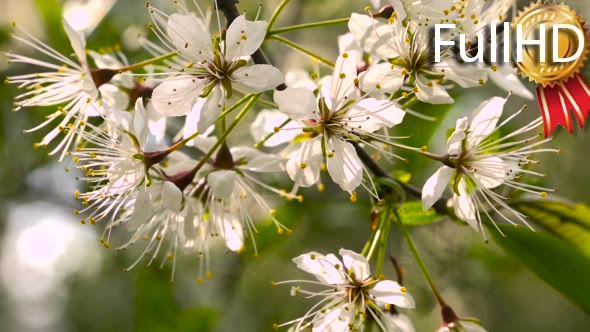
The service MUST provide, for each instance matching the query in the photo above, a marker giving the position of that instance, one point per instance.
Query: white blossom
(337, 114)
(213, 67)
(67, 84)
(478, 161)
(349, 294)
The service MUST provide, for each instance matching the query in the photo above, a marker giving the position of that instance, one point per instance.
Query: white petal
(297, 103)
(389, 292)
(113, 98)
(142, 210)
(346, 43)
(435, 186)
(505, 77)
(177, 95)
(434, 94)
(372, 114)
(397, 323)
(485, 119)
(327, 269)
(465, 207)
(140, 122)
(265, 123)
(334, 320)
(345, 167)
(343, 79)
(257, 78)
(356, 263)
(244, 37)
(171, 196)
(191, 122)
(222, 183)
(465, 76)
(310, 154)
(211, 109)
(299, 79)
(382, 78)
(375, 36)
(455, 141)
(266, 163)
(492, 172)
(233, 233)
(78, 42)
(190, 36)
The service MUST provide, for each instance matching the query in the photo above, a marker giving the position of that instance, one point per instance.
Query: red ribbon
(557, 101)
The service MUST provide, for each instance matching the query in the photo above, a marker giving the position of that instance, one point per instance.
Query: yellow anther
(345, 55)
(272, 212)
(170, 256)
(321, 187)
(353, 197)
(404, 72)
(342, 75)
(300, 198)
(276, 129)
(303, 165)
(481, 81)
(403, 289)
(544, 194)
(159, 237)
(424, 148)
(367, 9)
(430, 84)
(415, 89)
(209, 274)
(280, 231)
(76, 194)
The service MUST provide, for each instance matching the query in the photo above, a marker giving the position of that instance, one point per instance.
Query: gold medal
(555, 45)
(548, 73)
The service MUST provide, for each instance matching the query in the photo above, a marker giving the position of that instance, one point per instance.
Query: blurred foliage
(555, 261)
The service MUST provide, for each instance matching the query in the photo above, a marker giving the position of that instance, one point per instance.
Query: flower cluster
(150, 140)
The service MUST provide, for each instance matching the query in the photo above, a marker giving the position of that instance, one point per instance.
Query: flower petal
(485, 119)
(78, 42)
(505, 77)
(343, 79)
(375, 36)
(455, 141)
(142, 210)
(222, 183)
(257, 78)
(382, 77)
(345, 167)
(211, 109)
(297, 103)
(327, 269)
(334, 320)
(356, 263)
(265, 123)
(177, 95)
(390, 292)
(309, 155)
(431, 92)
(244, 37)
(435, 186)
(465, 207)
(372, 114)
(190, 36)
(171, 197)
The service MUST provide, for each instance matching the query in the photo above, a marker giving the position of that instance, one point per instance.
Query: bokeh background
(55, 275)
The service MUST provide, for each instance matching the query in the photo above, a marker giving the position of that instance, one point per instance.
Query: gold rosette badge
(554, 61)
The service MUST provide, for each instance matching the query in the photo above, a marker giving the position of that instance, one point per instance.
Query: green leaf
(567, 221)
(412, 214)
(555, 261)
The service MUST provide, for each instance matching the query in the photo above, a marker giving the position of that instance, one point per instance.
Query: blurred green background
(55, 275)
